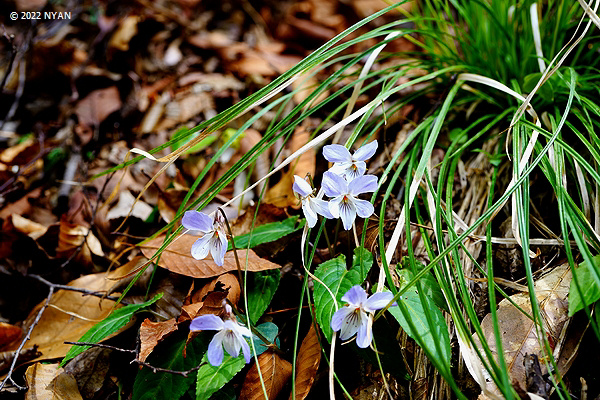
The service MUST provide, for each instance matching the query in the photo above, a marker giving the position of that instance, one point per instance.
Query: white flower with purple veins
(345, 204)
(311, 206)
(230, 336)
(214, 239)
(352, 318)
(350, 166)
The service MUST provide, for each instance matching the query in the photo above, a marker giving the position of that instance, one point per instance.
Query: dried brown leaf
(72, 314)
(275, 374)
(96, 106)
(281, 195)
(71, 236)
(125, 32)
(153, 332)
(306, 163)
(140, 210)
(267, 213)
(519, 336)
(224, 282)
(307, 364)
(50, 382)
(8, 333)
(27, 227)
(90, 369)
(178, 258)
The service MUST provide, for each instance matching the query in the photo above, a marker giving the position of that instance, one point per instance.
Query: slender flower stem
(237, 260)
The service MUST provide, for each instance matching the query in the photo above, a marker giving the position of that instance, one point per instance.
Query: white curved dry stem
(597, 211)
(567, 48)
(526, 153)
(365, 70)
(332, 350)
(537, 40)
(591, 13)
(331, 355)
(585, 197)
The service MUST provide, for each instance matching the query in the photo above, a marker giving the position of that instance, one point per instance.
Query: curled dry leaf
(153, 332)
(49, 381)
(209, 299)
(275, 374)
(178, 258)
(71, 236)
(519, 336)
(28, 227)
(307, 364)
(224, 282)
(8, 333)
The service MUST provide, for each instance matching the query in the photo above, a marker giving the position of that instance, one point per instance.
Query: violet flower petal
(198, 221)
(365, 152)
(202, 246)
(336, 153)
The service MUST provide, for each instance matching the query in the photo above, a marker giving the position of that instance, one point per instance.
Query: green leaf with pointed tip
(339, 280)
(109, 325)
(267, 233)
(261, 289)
(422, 330)
(163, 385)
(584, 274)
(269, 330)
(211, 378)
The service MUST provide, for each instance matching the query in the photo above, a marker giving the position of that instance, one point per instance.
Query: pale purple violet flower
(347, 165)
(311, 206)
(230, 335)
(352, 318)
(214, 238)
(345, 204)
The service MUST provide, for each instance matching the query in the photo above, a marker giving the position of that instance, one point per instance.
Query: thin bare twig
(18, 351)
(74, 289)
(104, 346)
(135, 360)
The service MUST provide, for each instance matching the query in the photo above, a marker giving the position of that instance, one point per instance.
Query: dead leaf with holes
(177, 258)
(151, 333)
(275, 374)
(49, 381)
(519, 334)
(307, 364)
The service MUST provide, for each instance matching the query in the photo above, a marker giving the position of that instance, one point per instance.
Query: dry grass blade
(275, 372)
